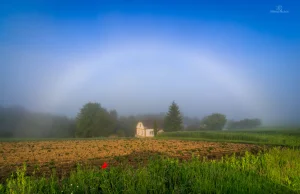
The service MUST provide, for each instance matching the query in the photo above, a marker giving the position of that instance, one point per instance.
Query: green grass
(275, 171)
(275, 137)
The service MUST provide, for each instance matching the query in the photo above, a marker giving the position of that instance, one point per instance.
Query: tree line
(243, 124)
(174, 122)
(93, 120)
(16, 121)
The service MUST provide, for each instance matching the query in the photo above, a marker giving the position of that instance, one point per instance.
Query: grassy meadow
(274, 169)
(280, 137)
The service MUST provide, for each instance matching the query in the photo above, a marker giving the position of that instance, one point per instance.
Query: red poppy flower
(105, 165)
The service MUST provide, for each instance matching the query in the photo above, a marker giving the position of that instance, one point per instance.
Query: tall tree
(173, 119)
(94, 121)
(214, 121)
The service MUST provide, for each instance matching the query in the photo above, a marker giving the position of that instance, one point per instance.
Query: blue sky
(240, 58)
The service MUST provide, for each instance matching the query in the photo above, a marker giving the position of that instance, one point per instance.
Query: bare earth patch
(43, 156)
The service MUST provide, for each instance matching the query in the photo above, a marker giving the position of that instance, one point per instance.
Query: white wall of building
(142, 132)
(149, 133)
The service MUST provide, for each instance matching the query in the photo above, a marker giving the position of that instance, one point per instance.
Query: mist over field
(137, 57)
(159, 96)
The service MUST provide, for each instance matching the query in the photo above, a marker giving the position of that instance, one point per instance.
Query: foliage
(128, 125)
(173, 119)
(16, 122)
(192, 124)
(155, 128)
(214, 121)
(275, 171)
(95, 121)
(243, 124)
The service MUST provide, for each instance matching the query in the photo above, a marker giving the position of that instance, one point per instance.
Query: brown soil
(64, 155)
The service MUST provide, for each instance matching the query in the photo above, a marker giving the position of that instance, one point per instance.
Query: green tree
(244, 124)
(173, 119)
(155, 128)
(214, 121)
(114, 118)
(128, 124)
(94, 121)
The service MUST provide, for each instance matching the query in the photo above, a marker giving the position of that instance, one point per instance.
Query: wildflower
(104, 165)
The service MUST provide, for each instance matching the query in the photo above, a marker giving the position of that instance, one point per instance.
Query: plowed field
(43, 156)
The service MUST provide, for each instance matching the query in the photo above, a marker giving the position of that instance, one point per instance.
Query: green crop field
(289, 137)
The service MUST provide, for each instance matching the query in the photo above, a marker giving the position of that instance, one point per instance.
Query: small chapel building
(145, 129)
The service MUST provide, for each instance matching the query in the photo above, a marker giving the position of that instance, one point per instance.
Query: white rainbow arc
(80, 71)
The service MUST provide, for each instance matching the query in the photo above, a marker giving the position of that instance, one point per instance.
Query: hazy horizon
(138, 56)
